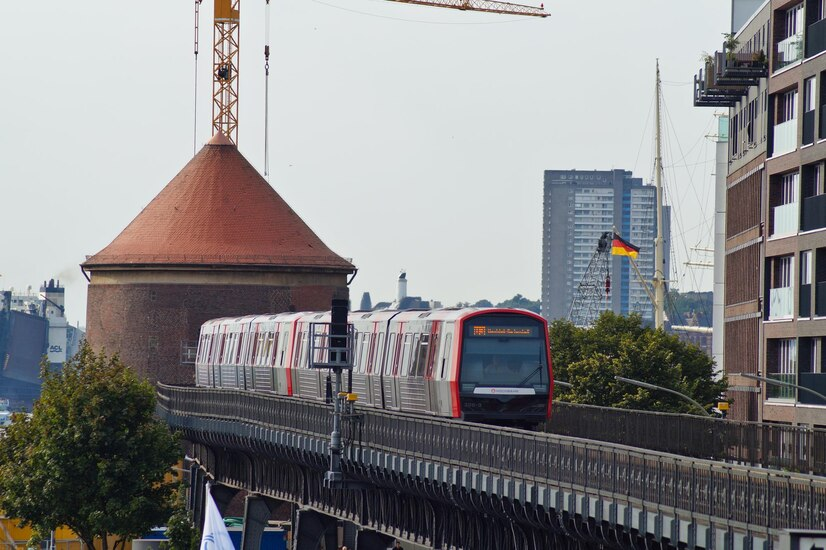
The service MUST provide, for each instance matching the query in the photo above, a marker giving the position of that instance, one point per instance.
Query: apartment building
(771, 75)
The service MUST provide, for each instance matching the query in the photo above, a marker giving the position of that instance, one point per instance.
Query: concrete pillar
(256, 514)
(222, 495)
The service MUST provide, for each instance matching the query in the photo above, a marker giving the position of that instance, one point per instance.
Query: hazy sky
(405, 136)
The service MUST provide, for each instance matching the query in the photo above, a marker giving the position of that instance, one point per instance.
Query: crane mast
(225, 69)
(225, 51)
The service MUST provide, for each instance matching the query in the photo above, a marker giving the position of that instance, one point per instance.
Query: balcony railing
(780, 392)
(789, 50)
(816, 38)
(814, 213)
(709, 93)
(785, 137)
(805, 302)
(820, 299)
(780, 303)
(740, 69)
(786, 218)
(808, 127)
(814, 381)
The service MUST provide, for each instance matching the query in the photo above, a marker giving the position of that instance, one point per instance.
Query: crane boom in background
(225, 50)
(489, 6)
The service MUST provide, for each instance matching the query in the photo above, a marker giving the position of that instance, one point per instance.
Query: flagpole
(658, 282)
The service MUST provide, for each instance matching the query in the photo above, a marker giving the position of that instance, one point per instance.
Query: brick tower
(217, 241)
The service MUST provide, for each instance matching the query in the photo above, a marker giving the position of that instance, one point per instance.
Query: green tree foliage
(521, 302)
(483, 303)
(91, 456)
(181, 533)
(589, 359)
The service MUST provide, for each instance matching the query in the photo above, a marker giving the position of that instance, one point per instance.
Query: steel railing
(759, 497)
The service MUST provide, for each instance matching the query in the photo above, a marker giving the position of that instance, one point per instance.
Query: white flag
(215, 535)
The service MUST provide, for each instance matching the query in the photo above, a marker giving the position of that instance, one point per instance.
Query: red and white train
(479, 364)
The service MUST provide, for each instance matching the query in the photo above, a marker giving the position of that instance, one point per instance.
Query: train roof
(378, 316)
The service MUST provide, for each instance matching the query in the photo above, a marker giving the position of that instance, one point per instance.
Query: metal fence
(758, 497)
(775, 446)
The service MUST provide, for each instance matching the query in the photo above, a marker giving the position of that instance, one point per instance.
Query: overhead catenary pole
(658, 282)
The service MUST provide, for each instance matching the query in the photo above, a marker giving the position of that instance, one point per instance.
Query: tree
(181, 533)
(589, 359)
(521, 302)
(483, 303)
(91, 456)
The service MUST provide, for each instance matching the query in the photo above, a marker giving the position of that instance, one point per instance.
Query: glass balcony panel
(785, 137)
(808, 128)
(780, 302)
(814, 213)
(816, 38)
(814, 381)
(805, 304)
(786, 219)
(820, 299)
(790, 50)
(781, 392)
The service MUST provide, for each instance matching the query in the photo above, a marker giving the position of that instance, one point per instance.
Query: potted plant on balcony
(730, 44)
(758, 58)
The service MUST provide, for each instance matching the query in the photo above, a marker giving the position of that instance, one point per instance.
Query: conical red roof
(218, 210)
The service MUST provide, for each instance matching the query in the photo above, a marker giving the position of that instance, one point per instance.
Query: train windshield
(504, 351)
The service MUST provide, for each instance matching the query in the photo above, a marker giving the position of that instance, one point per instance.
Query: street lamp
(655, 387)
(780, 383)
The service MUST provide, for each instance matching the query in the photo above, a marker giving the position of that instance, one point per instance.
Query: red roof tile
(218, 210)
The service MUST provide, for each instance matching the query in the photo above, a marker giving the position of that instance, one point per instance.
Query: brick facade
(147, 323)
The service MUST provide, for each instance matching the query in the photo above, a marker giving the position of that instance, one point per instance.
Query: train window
(390, 355)
(239, 349)
(274, 349)
(364, 352)
(446, 353)
(431, 356)
(422, 353)
(375, 367)
(407, 351)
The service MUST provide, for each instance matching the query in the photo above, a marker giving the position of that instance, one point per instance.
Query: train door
(442, 370)
(432, 359)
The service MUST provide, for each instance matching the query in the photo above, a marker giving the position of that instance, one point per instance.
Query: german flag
(621, 247)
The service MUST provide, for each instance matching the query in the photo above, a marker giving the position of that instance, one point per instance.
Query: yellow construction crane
(225, 50)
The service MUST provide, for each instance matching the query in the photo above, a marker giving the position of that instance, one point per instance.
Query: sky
(407, 137)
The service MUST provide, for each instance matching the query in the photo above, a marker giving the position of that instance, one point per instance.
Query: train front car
(505, 374)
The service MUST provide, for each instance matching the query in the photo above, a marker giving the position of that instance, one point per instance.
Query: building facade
(772, 77)
(578, 207)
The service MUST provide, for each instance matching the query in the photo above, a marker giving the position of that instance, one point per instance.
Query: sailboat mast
(658, 282)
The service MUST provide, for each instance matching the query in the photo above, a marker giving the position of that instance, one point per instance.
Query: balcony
(781, 392)
(786, 218)
(709, 93)
(789, 51)
(813, 381)
(781, 305)
(814, 213)
(785, 137)
(816, 38)
(740, 69)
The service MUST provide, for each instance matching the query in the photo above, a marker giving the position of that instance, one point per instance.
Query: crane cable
(267, 91)
(195, 117)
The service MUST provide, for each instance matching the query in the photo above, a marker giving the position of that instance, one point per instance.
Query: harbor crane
(225, 50)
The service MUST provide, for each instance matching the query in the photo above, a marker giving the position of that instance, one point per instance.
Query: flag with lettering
(216, 536)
